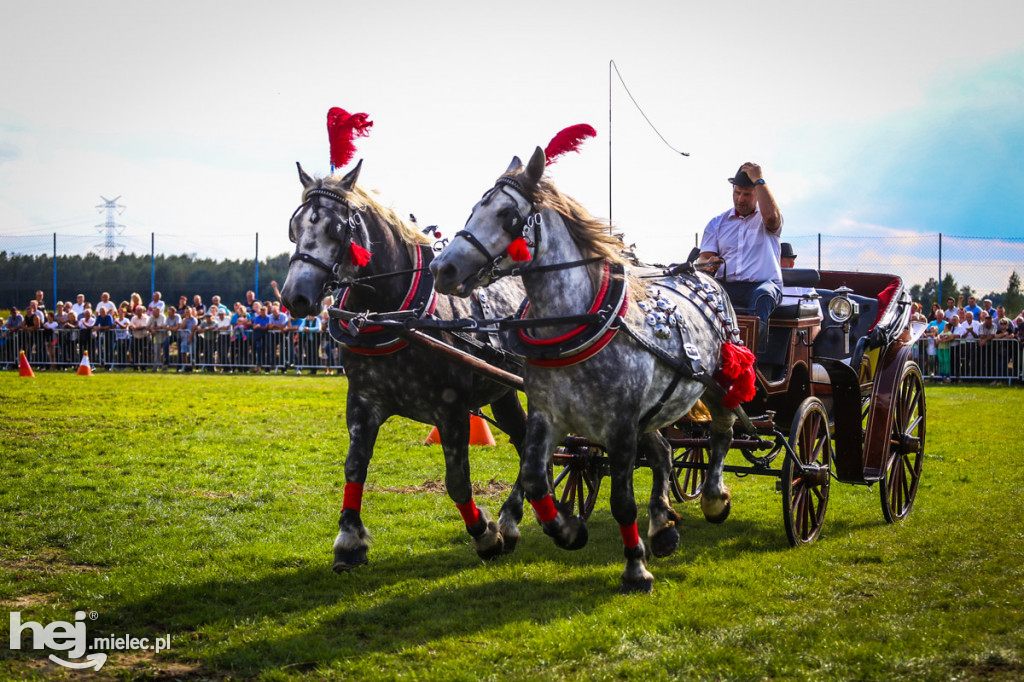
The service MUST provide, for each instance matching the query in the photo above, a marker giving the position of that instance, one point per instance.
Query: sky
(871, 120)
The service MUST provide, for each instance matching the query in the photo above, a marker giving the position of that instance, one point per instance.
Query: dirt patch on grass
(121, 665)
(49, 560)
(490, 488)
(26, 601)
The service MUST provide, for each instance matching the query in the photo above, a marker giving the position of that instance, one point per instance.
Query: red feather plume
(568, 140)
(342, 129)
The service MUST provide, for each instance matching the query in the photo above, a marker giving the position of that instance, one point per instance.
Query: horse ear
(349, 181)
(535, 169)
(304, 178)
(515, 165)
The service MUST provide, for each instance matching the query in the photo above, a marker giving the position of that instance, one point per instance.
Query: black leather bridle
(336, 228)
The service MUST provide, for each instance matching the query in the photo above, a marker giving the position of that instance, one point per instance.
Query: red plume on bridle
(568, 140)
(342, 129)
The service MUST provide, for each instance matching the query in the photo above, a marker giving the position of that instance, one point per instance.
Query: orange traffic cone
(84, 368)
(24, 369)
(479, 433)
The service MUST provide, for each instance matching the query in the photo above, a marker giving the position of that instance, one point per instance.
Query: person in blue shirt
(260, 324)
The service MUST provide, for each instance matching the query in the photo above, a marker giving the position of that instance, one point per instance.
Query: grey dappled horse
(617, 397)
(335, 229)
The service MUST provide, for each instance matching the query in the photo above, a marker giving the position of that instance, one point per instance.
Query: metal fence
(212, 351)
(995, 360)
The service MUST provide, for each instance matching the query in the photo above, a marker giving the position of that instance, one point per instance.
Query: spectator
(260, 322)
(950, 310)
(215, 304)
(85, 326)
(327, 345)
(122, 335)
(50, 338)
(1004, 346)
(917, 315)
(133, 303)
(206, 341)
(33, 344)
(69, 337)
(277, 329)
(972, 307)
(158, 332)
(200, 309)
(933, 353)
(173, 326)
(156, 304)
(223, 324)
(182, 305)
(250, 298)
(1000, 312)
(40, 301)
(104, 330)
(186, 338)
(308, 345)
(141, 345)
(78, 307)
(105, 305)
(967, 335)
(793, 295)
(949, 338)
(986, 307)
(15, 321)
(241, 324)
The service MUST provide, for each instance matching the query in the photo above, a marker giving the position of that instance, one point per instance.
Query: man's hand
(752, 170)
(708, 264)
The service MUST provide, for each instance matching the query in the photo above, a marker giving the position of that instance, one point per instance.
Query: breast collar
(375, 340)
(583, 342)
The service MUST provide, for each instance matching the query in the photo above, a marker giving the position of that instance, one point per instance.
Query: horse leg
(715, 498)
(568, 531)
(662, 534)
(454, 432)
(511, 418)
(635, 577)
(352, 543)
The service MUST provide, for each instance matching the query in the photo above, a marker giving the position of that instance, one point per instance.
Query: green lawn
(204, 508)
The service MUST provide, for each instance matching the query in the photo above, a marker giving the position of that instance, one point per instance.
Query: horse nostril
(446, 275)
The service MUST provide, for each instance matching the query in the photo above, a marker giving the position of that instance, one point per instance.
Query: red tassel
(342, 128)
(736, 375)
(518, 250)
(359, 255)
(568, 140)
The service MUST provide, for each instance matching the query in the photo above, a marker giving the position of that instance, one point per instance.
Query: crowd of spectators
(958, 340)
(254, 336)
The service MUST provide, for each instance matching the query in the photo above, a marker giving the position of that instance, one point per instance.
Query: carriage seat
(792, 277)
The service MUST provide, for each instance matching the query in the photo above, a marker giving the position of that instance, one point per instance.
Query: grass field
(204, 508)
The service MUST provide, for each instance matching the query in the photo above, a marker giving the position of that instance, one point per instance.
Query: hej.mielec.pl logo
(71, 638)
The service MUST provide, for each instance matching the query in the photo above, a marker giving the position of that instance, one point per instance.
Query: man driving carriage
(742, 246)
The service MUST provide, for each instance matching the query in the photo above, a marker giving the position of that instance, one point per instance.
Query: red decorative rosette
(518, 250)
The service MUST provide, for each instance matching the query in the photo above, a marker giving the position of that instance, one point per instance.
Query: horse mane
(362, 200)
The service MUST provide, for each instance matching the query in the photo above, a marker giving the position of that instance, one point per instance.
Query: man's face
(954, 320)
(969, 317)
(970, 301)
(788, 262)
(743, 200)
(949, 303)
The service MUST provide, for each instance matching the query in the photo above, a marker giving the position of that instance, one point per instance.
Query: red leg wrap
(353, 497)
(545, 508)
(630, 536)
(470, 514)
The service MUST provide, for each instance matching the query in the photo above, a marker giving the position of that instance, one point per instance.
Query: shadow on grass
(309, 616)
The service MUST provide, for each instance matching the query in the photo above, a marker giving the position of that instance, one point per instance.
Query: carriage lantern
(841, 308)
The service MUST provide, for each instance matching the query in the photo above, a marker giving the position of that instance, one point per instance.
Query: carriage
(835, 394)
(838, 397)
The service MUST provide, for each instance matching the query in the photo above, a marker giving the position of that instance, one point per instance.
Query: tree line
(22, 275)
(925, 294)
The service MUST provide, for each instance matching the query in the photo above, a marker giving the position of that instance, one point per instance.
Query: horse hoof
(493, 552)
(721, 516)
(639, 585)
(509, 543)
(570, 533)
(665, 541)
(347, 559)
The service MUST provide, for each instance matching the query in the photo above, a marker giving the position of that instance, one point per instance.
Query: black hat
(742, 179)
(787, 251)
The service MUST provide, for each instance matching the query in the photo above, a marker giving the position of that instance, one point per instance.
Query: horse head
(331, 241)
(504, 217)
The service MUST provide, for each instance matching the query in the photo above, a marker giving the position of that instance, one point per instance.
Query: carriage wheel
(898, 487)
(805, 494)
(580, 480)
(692, 482)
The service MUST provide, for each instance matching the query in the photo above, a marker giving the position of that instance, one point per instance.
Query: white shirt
(750, 251)
(105, 305)
(961, 330)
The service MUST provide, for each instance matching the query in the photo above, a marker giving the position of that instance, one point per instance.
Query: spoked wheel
(687, 483)
(579, 481)
(805, 492)
(898, 486)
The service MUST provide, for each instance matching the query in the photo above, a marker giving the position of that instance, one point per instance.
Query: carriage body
(837, 399)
